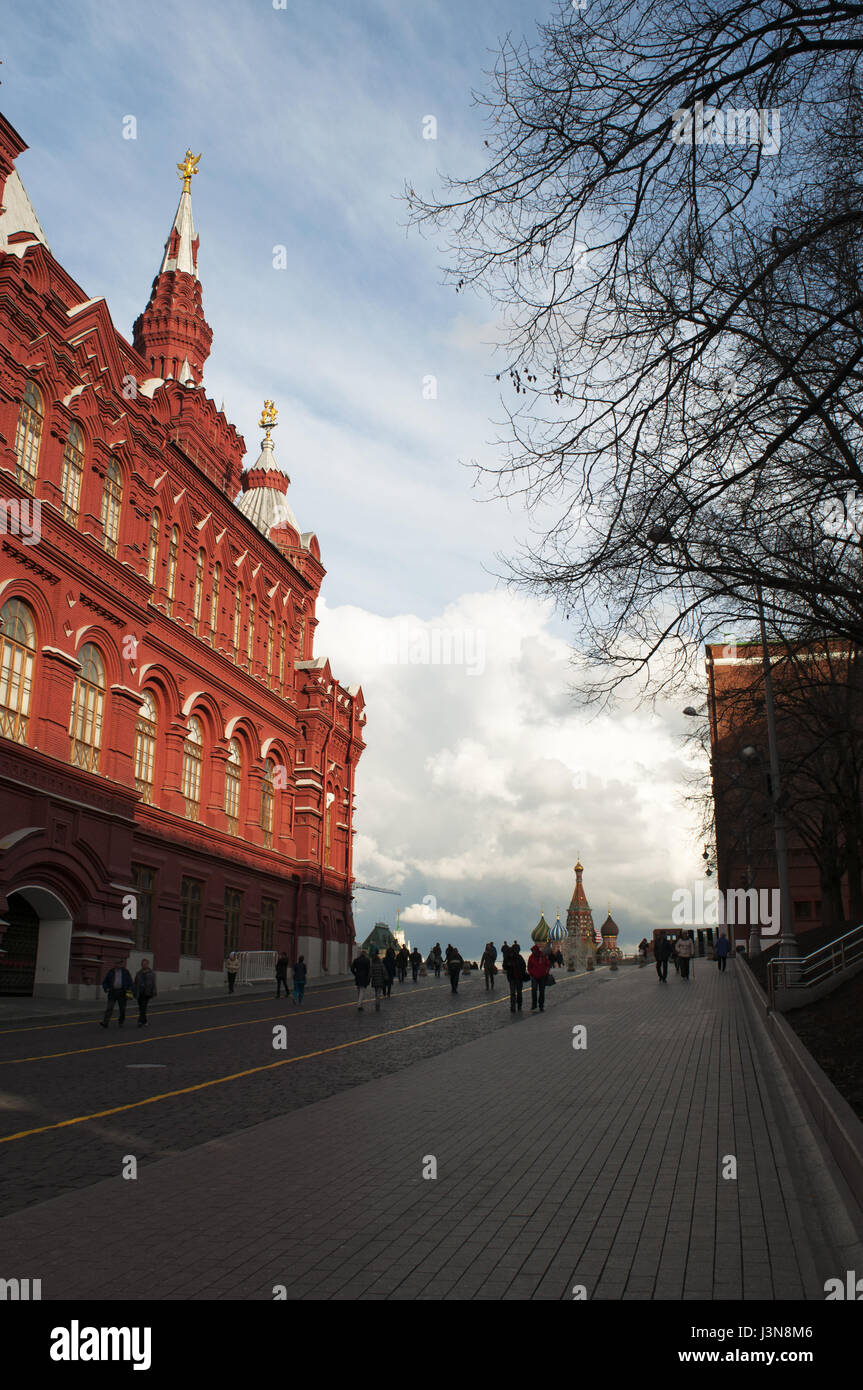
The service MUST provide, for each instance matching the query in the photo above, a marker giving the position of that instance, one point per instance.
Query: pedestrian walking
(115, 984)
(487, 964)
(538, 969)
(361, 969)
(516, 973)
(720, 951)
(416, 962)
(684, 951)
(300, 972)
(402, 960)
(390, 968)
(454, 963)
(144, 989)
(675, 958)
(661, 954)
(379, 979)
(642, 952)
(282, 967)
(232, 965)
(437, 959)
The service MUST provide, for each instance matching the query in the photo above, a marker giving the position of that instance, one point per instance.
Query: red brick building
(176, 767)
(745, 841)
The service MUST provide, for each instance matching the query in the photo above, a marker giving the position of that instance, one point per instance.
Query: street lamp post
(788, 948)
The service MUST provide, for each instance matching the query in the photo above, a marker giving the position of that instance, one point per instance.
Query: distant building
(608, 948)
(381, 938)
(580, 953)
(745, 842)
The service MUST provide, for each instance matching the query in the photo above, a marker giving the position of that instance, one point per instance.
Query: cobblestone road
(51, 1073)
(557, 1168)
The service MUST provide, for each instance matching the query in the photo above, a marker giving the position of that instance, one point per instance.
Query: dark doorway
(18, 947)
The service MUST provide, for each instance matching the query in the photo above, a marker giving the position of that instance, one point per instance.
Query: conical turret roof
(264, 499)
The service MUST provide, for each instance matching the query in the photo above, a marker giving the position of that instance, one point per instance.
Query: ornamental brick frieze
(23, 558)
(102, 612)
(79, 788)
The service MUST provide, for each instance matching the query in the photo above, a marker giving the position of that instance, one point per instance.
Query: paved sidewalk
(24, 1008)
(555, 1167)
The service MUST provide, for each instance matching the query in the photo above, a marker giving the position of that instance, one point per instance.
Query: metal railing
(257, 965)
(813, 969)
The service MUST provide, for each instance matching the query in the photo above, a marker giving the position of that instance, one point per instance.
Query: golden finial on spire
(268, 419)
(188, 167)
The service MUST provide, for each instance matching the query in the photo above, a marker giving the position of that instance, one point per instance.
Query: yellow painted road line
(252, 1071)
(158, 1013)
(164, 1037)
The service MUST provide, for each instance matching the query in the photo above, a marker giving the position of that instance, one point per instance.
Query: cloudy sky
(484, 777)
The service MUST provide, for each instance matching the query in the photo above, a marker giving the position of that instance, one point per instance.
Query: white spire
(180, 248)
(267, 507)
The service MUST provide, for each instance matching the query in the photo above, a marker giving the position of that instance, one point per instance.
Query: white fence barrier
(256, 966)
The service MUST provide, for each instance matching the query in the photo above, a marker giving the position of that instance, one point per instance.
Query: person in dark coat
(661, 954)
(115, 984)
(379, 978)
(454, 963)
(402, 964)
(390, 968)
(416, 962)
(437, 959)
(537, 968)
(300, 973)
(516, 973)
(487, 964)
(361, 969)
(720, 950)
(282, 966)
(144, 989)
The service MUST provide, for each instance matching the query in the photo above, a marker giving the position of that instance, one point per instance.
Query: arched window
(268, 802)
(153, 545)
(28, 437)
(88, 701)
(270, 647)
(145, 747)
(283, 642)
(112, 501)
(238, 613)
(73, 472)
(17, 651)
(171, 580)
(250, 635)
(199, 591)
(193, 757)
(214, 602)
(233, 783)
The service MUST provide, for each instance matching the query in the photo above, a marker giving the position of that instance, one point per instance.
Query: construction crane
(370, 887)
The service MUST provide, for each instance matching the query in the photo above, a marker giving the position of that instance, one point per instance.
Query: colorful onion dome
(558, 931)
(540, 931)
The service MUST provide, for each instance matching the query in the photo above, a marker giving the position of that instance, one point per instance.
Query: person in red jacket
(538, 966)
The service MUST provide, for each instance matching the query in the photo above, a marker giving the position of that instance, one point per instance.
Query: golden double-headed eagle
(188, 167)
(268, 419)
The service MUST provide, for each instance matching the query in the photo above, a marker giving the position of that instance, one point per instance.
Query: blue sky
(479, 786)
